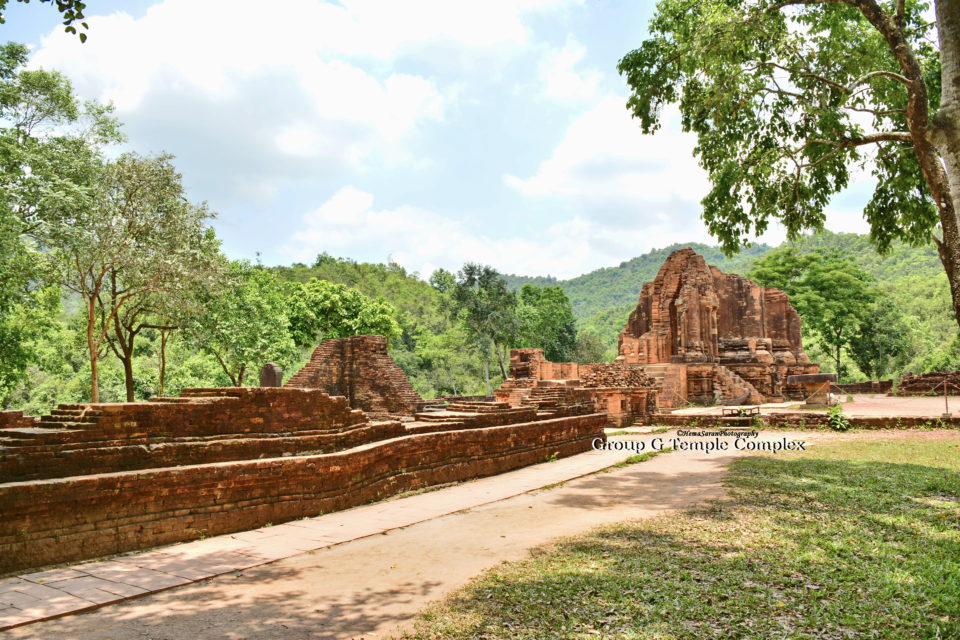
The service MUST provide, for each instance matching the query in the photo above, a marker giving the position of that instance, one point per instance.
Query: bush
(837, 420)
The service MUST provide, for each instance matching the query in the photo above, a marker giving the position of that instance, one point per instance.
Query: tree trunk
(837, 361)
(94, 378)
(503, 370)
(93, 350)
(127, 360)
(486, 373)
(240, 373)
(945, 135)
(164, 333)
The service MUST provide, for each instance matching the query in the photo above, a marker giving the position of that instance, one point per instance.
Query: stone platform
(98, 479)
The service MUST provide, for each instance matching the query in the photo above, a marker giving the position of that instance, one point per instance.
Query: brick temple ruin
(698, 335)
(359, 369)
(623, 392)
(96, 479)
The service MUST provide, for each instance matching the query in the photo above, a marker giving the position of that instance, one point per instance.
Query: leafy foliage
(777, 99)
(546, 321)
(832, 294)
(70, 10)
(319, 310)
(837, 420)
(244, 324)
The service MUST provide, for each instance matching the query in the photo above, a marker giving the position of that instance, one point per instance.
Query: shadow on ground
(802, 548)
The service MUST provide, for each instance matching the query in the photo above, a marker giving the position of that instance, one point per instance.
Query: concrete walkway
(297, 580)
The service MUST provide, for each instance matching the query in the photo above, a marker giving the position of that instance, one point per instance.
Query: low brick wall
(57, 461)
(808, 420)
(206, 425)
(59, 520)
(871, 386)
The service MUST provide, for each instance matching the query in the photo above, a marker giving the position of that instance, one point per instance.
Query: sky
(426, 132)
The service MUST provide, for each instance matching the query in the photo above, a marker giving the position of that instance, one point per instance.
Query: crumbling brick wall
(206, 425)
(930, 384)
(614, 375)
(360, 369)
(75, 518)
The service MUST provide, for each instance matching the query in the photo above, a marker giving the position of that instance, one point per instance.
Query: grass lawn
(852, 539)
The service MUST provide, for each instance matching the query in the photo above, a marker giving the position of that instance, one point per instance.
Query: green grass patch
(640, 457)
(852, 539)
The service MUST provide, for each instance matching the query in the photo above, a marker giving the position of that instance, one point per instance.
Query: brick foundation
(870, 386)
(205, 425)
(69, 519)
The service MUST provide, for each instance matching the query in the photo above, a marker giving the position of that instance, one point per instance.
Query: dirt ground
(863, 405)
(372, 587)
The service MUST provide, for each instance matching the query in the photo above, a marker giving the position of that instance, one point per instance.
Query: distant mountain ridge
(602, 289)
(603, 299)
(609, 287)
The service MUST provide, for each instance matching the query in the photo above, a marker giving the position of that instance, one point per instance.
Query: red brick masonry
(73, 518)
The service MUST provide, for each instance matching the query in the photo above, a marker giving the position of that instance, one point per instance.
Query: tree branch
(881, 74)
(869, 138)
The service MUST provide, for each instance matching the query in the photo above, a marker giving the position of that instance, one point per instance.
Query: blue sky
(429, 132)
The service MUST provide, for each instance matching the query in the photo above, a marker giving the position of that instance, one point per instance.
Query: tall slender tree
(138, 237)
(49, 165)
(487, 308)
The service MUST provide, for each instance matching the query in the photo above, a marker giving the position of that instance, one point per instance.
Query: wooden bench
(739, 417)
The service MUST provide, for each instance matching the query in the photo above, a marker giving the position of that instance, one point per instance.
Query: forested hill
(610, 287)
(610, 290)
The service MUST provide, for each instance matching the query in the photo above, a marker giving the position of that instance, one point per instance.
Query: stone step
(75, 412)
(31, 433)
(435, 417)
(72, 418)
(190, 399)
(431, 427)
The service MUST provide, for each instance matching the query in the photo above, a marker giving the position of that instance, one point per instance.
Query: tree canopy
(319, 310)
(789, 97)
(836, 298)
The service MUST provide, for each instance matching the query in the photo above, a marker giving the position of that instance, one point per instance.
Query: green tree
(49, 164)
(319, 310)
(785, 96)
(481, 300)
(590, 348)
(244, 323)
(71, 11)
(137, 237)
(831, 293)
(546, 321)
(882, 341)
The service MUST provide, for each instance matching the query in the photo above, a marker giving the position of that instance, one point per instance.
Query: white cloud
(250, 97)
(560, 77)
(605, 169)
(422, 240)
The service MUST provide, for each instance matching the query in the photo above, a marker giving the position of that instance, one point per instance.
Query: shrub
(837, 420)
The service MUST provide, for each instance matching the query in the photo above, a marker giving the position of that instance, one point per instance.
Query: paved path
(863, 405)
(297, 580)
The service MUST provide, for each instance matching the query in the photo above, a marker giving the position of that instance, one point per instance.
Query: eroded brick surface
(360, 369)
(737, 341)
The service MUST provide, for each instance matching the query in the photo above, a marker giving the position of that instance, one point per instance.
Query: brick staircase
(666, 377)
(734, 389)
